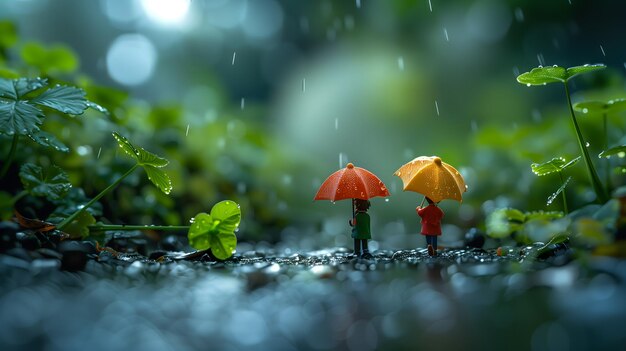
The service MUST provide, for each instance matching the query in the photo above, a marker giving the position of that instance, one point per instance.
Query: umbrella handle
(424, 199)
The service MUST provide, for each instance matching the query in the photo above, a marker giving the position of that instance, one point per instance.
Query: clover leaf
(601, 107)
(216, 231)
(551, 74)
(557, 164)
(150, 162)
(52, 183)
(616, 150)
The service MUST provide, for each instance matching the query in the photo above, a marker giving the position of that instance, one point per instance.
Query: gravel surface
(321, 300)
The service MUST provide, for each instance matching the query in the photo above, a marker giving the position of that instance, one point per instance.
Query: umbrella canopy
(351, 183)
(433, 178)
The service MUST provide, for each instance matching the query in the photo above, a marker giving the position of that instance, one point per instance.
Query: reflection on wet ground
(321, 300)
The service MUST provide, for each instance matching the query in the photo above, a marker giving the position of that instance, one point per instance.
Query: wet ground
(321, 300)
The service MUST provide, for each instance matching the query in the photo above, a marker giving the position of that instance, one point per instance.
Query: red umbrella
(351, 183)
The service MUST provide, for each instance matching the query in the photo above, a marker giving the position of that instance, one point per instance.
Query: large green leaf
(616, 150)
(503, 222)
(79, 227)
(52, 183)
(64, 99)
(48, 140)
(146, 158)
(14, 89)
(19, 117)
(551, 74)
(128, 148)
(557, 164)
(601, 107)
(215, 231)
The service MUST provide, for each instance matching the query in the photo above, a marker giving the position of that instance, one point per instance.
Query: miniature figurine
(431, 224)
(360, 224)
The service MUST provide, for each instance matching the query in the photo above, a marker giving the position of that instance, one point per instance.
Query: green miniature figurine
(361, 228)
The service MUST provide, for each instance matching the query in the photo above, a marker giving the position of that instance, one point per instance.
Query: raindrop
(99, 151)
(585, 110)
(527, 84)
(243, 103)
(187, 131)
(234, 56)
(336, 123)
(570, 1)
(303, 85)
(430, 5)
(540, 59)
(519, 15)
(437, 107)
(515, 71)
(445, 33)
(386, 200)
(401, 63)
(602, 49)
(587, 144)
(621, 154)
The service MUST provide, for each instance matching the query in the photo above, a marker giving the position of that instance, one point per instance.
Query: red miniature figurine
(431, 224)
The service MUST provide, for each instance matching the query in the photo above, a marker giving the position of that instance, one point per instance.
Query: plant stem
(121, 227)
(563, 194)
(73, 216)
(601, 195)
(19, 196)
(9, 160)
(607, 162)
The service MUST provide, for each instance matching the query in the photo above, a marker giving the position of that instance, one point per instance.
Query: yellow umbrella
(432, 178)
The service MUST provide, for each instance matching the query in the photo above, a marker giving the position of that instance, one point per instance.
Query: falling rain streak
(336, 123)
(187, 131)
(437, 107)
(358, 4)
(243, 103)
(303, 85)
(430, 5)
(445, 33)
(234, 56)
(401, 63)
(602, 49)
(99, 151)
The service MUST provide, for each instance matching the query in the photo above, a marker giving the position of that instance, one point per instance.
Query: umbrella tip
(350, 165)
(437, 160)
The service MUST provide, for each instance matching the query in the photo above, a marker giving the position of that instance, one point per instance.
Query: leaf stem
(563, 194)
(607, 162)
(9, 160)
(601, 195)
(73, 216)
(122, 227)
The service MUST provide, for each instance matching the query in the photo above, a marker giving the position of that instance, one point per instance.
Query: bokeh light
(131, 59)
(166, 11)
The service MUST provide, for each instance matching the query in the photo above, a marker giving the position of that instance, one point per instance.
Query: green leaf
(557, 164)
(620, 151)
(601, 107)
(8, 34)
(52, 183)
(6, 206)
(14, 89)
(48, 140)
(547, 215)
(97, 107)
(149, 161)
(551, 74)
(128, 148)
(64, 99)
(19, 117)
(79, 227)
(503, 222)
(215, 231)
(558, 191)
(56, 58)
(159, 178)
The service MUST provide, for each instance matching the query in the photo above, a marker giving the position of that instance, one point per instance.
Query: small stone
(8, 230)
(171, 243)
(28, 241)
(474, 238)
(20, 253)
(74, 255)
(49, 253)
(44, 265)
